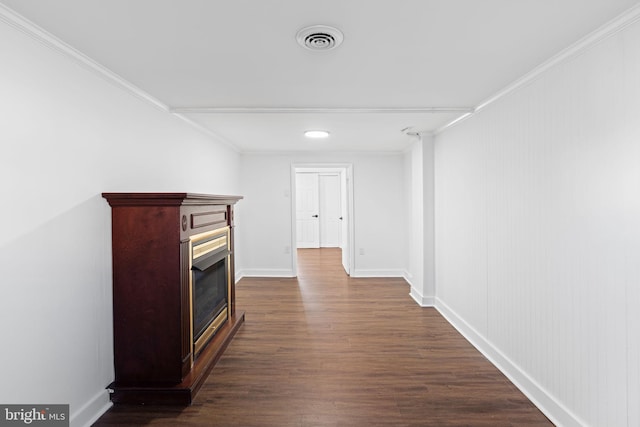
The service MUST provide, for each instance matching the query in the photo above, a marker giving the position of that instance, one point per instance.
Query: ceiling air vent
(319, 37)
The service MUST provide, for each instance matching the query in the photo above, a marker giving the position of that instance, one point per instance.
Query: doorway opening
(322, 209)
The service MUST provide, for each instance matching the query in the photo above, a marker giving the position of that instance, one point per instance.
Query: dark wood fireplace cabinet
(173, 272)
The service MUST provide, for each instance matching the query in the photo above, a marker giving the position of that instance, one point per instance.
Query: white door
(330, 211)
(307, 210)
(307, 204)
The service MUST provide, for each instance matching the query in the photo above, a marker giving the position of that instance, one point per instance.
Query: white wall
(428, 219)
(265, 220)
(414, 196)
(538, 234)
(419, 194)
(66, 136)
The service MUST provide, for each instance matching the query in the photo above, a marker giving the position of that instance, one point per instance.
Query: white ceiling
(235, 68)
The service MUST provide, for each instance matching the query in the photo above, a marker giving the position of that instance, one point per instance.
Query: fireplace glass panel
(209, 295)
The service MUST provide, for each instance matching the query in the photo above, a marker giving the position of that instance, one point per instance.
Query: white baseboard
(273, 272)
(91, 411)
(408, 277)
(264, 272)
(554, 410)
(423, 301)
(376, 273)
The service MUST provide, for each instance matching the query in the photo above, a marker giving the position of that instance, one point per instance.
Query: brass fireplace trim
(196, 251)
(210, 331)
(209, 246)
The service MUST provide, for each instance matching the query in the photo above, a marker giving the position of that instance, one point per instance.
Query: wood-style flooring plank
(329, 350)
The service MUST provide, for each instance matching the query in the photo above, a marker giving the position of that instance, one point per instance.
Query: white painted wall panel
(538, 230)
(461, 265)
(415, 209)
(419, 161)
(67, 135)
(379, 223)
(428, 157)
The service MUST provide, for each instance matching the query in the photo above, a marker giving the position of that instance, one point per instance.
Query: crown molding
(602, 33)
(15, 20)
(27, 27)
(207, 132)
(317, 110)
(44, 37)
(454, 122)
(607, 30)
(302, 154)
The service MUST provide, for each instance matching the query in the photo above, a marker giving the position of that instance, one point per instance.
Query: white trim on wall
(347, 169)
(92, 410)
(536, 273)
(416, 295)
(570, 383)
(49, 40)
(22, 24)
(371, 272)
(607, 30)
(264, 272)
(554, 410)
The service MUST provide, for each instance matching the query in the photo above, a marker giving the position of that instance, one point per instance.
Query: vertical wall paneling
(461, 228)
(630, 215)
(537, 238)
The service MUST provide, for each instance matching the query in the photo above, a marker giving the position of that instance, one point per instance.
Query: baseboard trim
(557, 413)
(423, 301)
(274, 272)
(264, 272)
(92, 410)
(361, 273)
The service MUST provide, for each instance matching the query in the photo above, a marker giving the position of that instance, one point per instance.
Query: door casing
(346, 172)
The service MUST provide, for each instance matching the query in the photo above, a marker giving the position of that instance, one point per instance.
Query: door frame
(346, 171)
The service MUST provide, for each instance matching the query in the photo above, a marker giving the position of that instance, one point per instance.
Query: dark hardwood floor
(329, 350)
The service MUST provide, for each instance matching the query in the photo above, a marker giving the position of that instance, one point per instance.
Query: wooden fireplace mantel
(154, 356)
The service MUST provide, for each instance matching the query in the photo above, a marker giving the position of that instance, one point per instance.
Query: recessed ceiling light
(316, 134)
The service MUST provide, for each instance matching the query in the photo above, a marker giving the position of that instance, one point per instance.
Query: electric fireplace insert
(210, 284)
